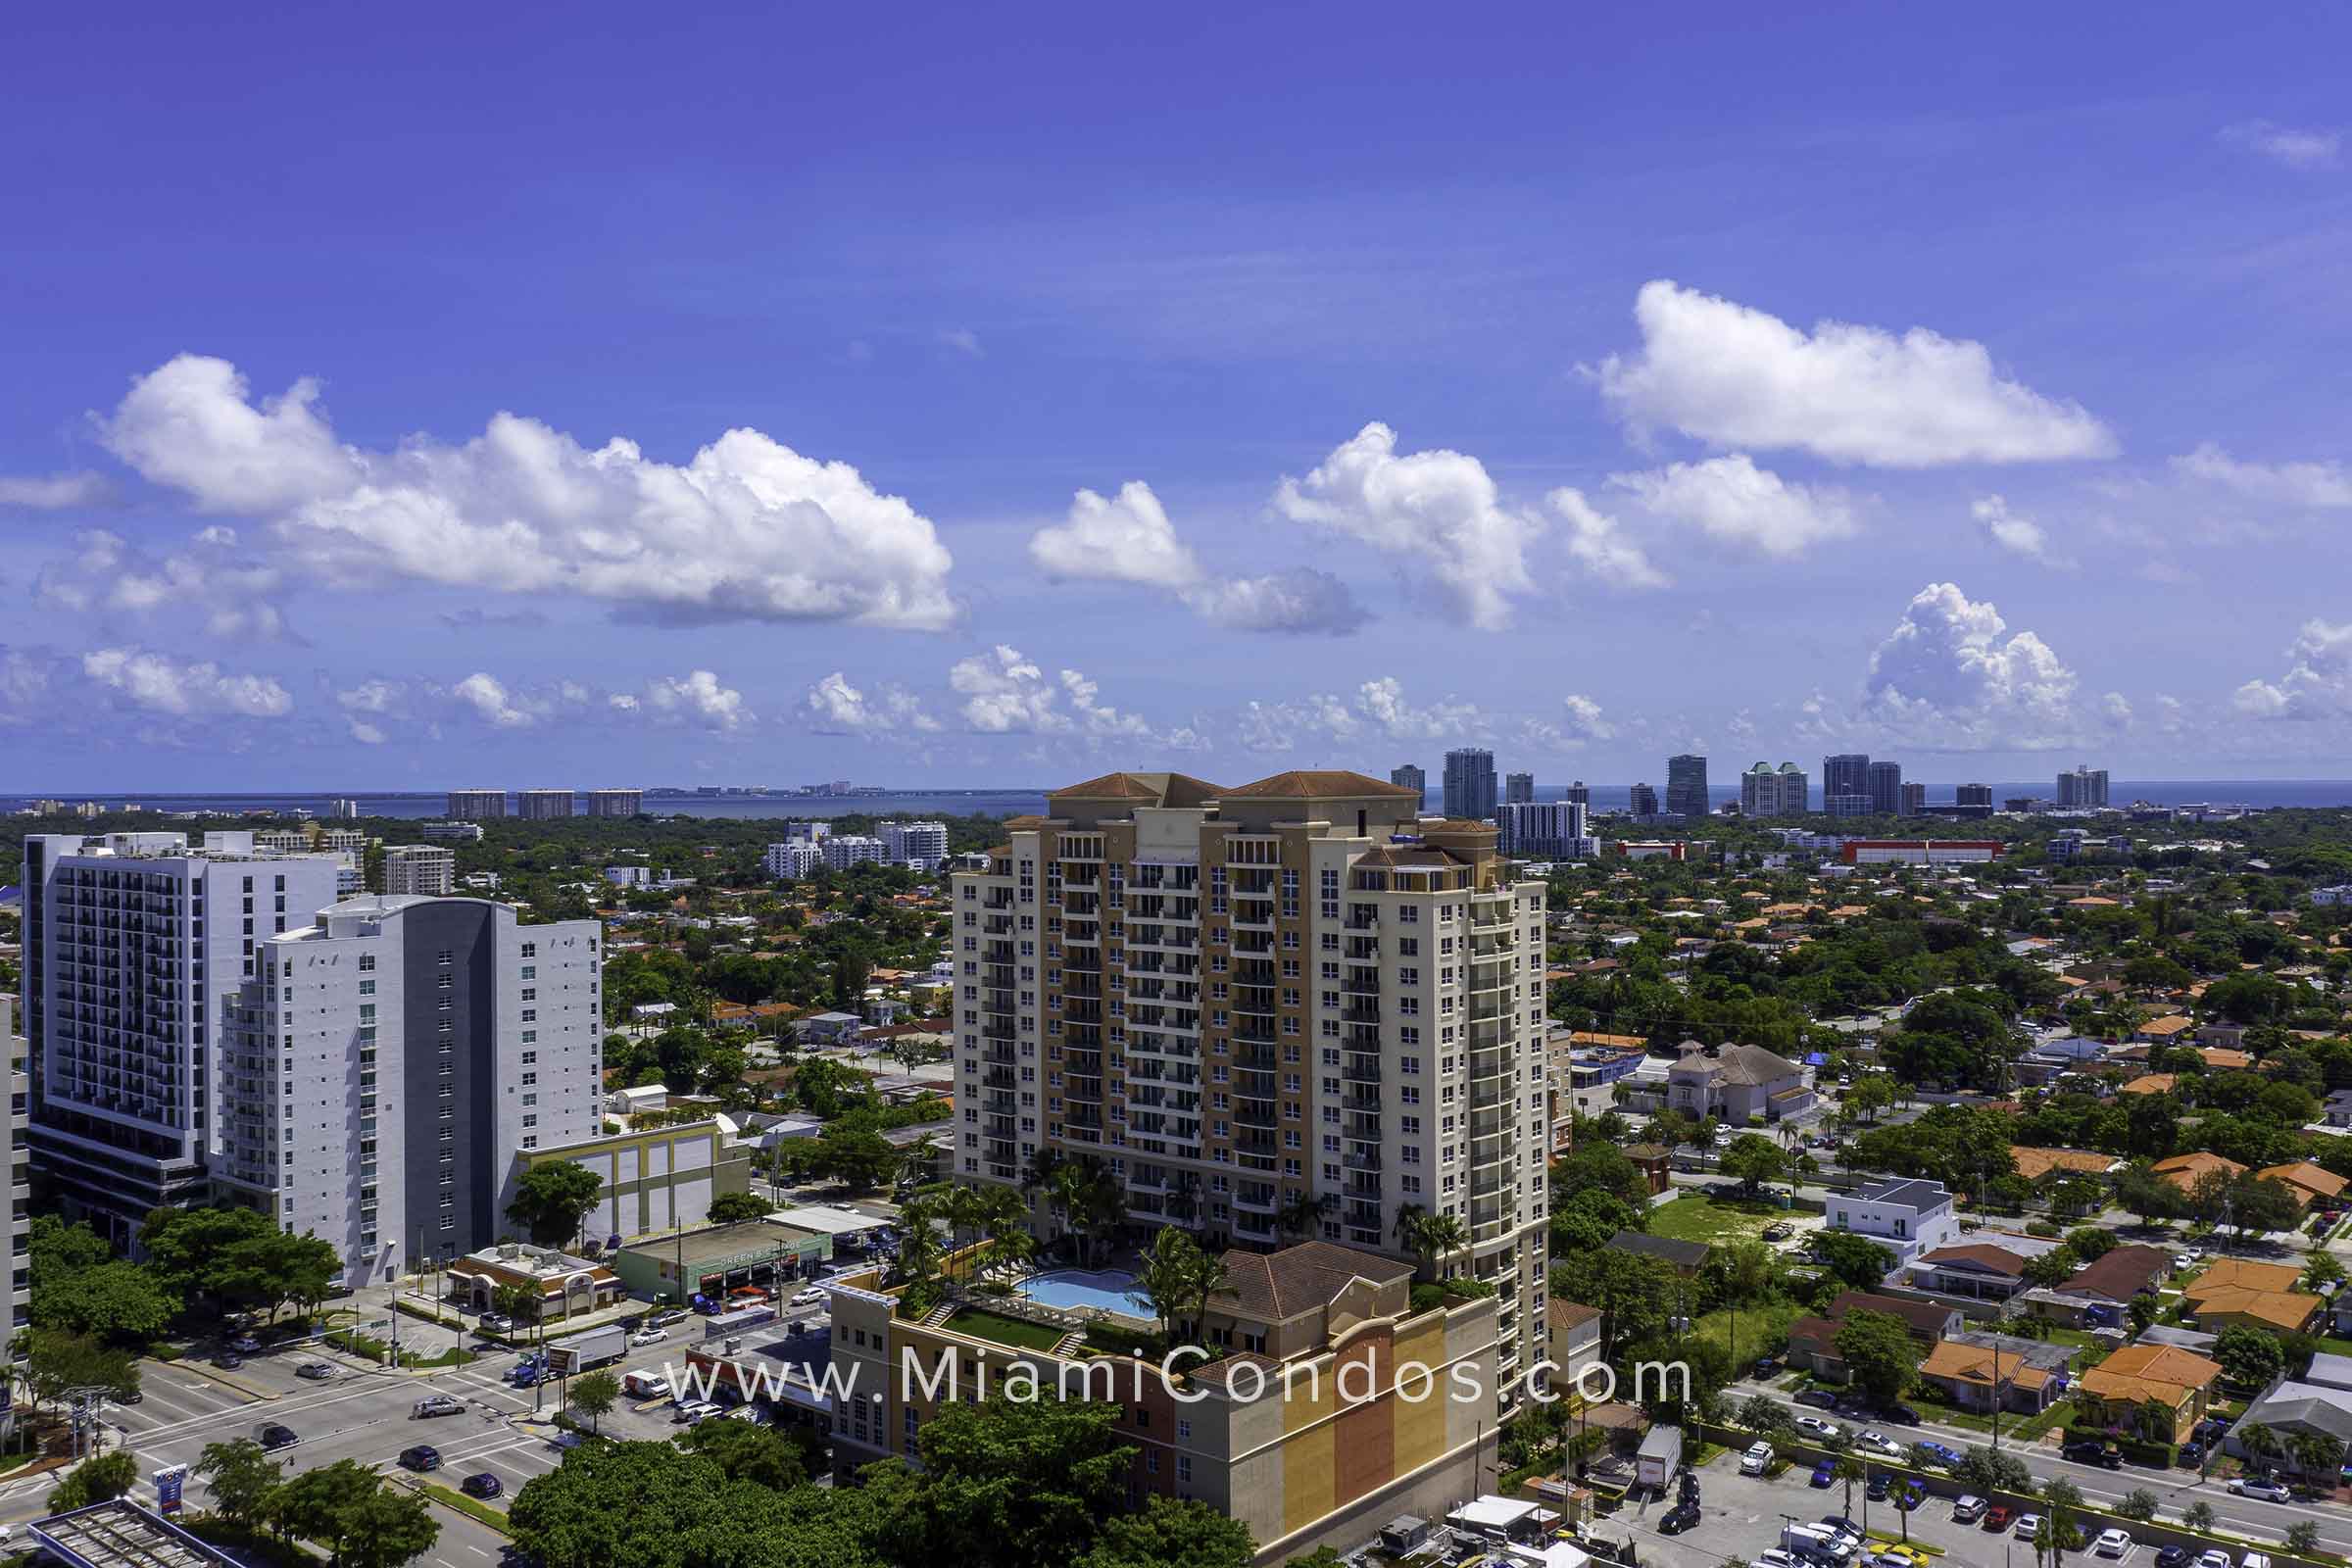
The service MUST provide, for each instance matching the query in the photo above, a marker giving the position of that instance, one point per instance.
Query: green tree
(100, 1479)
(594, 1395)
(747, 1453)
(2138, 1503)
(2053, 1267)
(1880, 1352)
(1007, 1483)
(121, 1303)
(2249, 1357)
(56, 1361)
(2303, 1538)
(2257, 1205)
(1754, 1160)
(551, 1199)
(243, 1479)
(1171, 1533)
(733, 1208)
(1856, 1260)
(2198, 1516)
(384, 1528)
(656, 1505)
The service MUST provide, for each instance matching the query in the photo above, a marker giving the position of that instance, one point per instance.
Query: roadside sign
(169, 1483)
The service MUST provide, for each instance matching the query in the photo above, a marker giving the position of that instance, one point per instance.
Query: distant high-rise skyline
(1518, 788)
(1768, 790)
(1885, 789)
(1470, 783)
(1642, 800)
(2081, 786)
(1408, 775)
(1686, 785)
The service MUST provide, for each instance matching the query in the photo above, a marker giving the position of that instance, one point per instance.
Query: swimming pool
(1071, 1288)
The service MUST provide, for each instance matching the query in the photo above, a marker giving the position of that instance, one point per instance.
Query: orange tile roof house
(2159, 1031)
(1970, 1376)
(2034, 1163)
(2155, 1083)
(2185, 1171)
(2314, 1184)
(2270, 1311)
(2157, 1392)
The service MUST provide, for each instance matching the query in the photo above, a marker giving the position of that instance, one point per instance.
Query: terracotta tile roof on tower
(1298, 1279)
(1161, 789)
(1320, 785)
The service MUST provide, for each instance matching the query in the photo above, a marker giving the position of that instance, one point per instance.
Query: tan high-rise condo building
(1289, 1010)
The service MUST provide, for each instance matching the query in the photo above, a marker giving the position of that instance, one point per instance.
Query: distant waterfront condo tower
(419, 868)
(1973, 795)
(1470, 784)
(541, 806)
(1686, 785)
(1768, 790)
(1885, 789)
(1844, 773)
(1578, 794)
(1519, 789)
(2085, 786)
(1410, 776)
(1642, 800)
(476, 805)
(615, 803)
(1915, 800)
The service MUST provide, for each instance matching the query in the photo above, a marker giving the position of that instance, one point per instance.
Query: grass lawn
(1761, 1327)
(1698, 1218)
(2035, 1425)
(1018, 1333)
(451, 1497)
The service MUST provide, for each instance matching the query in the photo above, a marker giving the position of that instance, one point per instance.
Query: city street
(2175, 1489)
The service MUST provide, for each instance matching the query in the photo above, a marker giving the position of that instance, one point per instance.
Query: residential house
(1574, 1335)
(2259, 1295)
(2315, 1184)
(1972, 1377)
(1687, 1257)
(2155, 1392)
(2219, 1059)
(1976, 1270)
(2101, 1292)
(1736, 1084)
(2339, 1108)
(2034, 1163)
(2054, 1057)
(1905, 1217)
(2173, 1029)
(1812, 1341)
(2291, 1408)
(2185, 1171)
(2154, 1083)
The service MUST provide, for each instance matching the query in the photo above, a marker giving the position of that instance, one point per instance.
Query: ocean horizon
(420, 805)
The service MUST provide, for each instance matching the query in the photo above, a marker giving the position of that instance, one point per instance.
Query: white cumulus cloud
(1735, 376)
(1128, 538)
(1435, 514)
(1598, 544)
(2319, 485)
(162, 684)
(749, 530)
(53, 492)
(837, 708)
(2317, 683)
(2018, 534)
(492, 701)
(698, 698)
(1952, 676)
(1731, 501)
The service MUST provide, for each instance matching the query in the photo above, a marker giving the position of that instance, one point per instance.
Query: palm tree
(1443, 1235)
(1407, 1230)
(1848, 1469)
(1299, 1214)
(1207, 1277)
(1066, 1190)
(1165, 1280)
(2259, 1442)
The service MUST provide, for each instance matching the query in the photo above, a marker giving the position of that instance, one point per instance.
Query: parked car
(436, 1405)
(1911, 1496)
(1967, 1509)
(1875, 1489)
(1819, 1399)
(274, 1436)
(228, 1360)
(1903, 1415)
(1824, 1474)
(420, 1457)
(315, 1372)
(1813, 1426)
(1767, 1367)
(2112, 1544)
(1943, 1453)
(1679, 1518)
(1777, 1232)
(245, 1345)
(2028, 1526)
(2214, 1558)
(2255, 1559)
(663, 1319)
(1877, 1441)
(2172, 1557)
(2263, 1490)
(811, 1296)
(481, 1483)
(692, 1410)
(1847, 1528)
(2090, 1450)
(1894, 1555)
(494, 1322)
(648, 1335)
(1757, 1460)
(1998, 1517)
(2192, 1454)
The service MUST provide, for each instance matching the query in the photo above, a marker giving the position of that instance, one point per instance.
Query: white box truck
(596, 1347)
(1660, 1457)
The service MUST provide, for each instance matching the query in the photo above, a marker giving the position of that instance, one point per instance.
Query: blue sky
(1326, 385)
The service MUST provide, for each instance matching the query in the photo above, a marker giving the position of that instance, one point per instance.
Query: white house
(1734, 1085)
(1905, 1217)
(645, 1096)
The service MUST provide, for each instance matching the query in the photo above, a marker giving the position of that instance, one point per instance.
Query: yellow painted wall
(1309, 1475)
(1421, 1427)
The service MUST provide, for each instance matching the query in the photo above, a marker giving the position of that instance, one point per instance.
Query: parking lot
(1741, 1516)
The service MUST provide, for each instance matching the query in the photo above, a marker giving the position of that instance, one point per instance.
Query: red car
(1998, 1517)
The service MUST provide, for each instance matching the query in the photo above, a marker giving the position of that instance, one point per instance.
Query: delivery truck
(593, 1348)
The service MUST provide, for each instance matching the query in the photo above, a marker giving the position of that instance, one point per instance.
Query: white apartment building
(135, 945)
(1246, 1003)
(1905, 1217)
(475, 806)
(1540, 830)
(922, 845)
(844, 850)
(390, 1061)
(789, 862)
(541, 806)
(421, 868)
(453, 832)
(615, 803)
(347, 845)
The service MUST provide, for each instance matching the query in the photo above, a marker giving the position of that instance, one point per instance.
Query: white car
(811, 1296)
(2266, 1491)
(1755, 1461)
(2255, 1559)
(1775, 1558)
(2112, 1544)
(648, 1335)
(1813, 1426)
(693, 1411)
(2028, 1526)
(2213, 1557)
(1881, 1442)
